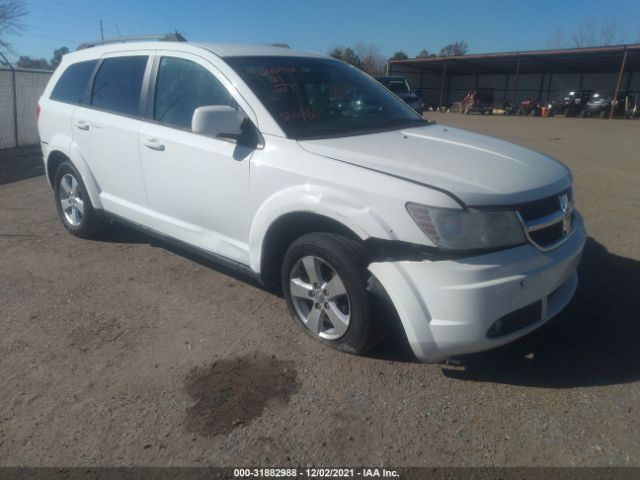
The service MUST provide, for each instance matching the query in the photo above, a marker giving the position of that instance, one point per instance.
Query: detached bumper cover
(447, 307)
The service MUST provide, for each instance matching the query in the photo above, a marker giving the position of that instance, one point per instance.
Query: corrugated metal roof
(574, 60)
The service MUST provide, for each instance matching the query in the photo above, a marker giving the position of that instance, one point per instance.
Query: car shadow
(122, 233)
(594, 341)
(20, 164)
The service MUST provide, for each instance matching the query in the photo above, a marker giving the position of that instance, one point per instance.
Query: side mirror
(217, 121)
(418, 92)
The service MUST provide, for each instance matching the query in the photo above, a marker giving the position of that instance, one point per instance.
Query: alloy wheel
(70, 196)
(320, 298)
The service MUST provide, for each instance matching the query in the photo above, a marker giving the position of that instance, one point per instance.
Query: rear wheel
(73, 203)
(324, 279)
(604, 114)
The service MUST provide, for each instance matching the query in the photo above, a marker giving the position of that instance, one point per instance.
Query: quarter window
(118, 84)
(181, 87)
(72, 84)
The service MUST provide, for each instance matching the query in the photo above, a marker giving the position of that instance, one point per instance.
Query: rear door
(105, 130)
(197, 185)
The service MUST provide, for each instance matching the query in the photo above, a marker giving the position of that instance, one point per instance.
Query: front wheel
(324, 278)
(73, 203)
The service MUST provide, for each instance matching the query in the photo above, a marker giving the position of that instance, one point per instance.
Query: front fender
(321, 200)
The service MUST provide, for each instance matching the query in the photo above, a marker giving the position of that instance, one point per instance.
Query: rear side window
(181, 87)
(118, 84)
(72, 84)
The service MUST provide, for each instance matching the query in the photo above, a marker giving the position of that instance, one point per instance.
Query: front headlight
(467, 230)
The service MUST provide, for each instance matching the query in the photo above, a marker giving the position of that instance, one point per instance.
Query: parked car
(570, 103)
(478, 101)
(599, 105)
(400, 86)
(473, 241)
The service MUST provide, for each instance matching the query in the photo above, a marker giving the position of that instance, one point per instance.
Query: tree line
(588, 33)
(369, 58)
(42, 63)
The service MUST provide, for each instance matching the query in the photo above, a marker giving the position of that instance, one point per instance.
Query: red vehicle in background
(529, 107)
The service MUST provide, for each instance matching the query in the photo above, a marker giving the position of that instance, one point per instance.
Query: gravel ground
(126, 351)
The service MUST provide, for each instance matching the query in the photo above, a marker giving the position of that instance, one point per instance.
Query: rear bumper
(447, 307)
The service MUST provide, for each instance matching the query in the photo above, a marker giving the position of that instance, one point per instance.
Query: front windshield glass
(397, 86)
(319, 97)
(568, 95)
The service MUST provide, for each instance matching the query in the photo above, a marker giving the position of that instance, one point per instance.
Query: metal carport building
(515, 76)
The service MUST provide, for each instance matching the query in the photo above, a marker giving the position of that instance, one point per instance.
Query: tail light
(37, 111)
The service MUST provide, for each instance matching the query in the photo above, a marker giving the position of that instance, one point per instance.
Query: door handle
(82, 125)
(153, 144)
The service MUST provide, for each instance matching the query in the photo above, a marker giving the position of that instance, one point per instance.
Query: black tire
(604, 114)
(570, 112)
(533, 112)
(91, 223)
(583, 114)
(348, 259)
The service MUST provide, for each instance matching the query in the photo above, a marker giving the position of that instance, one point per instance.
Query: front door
(197, 186)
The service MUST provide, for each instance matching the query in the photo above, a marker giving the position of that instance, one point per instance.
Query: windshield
(396, 86)
(600, 96)
(319, 97)
(568, 95)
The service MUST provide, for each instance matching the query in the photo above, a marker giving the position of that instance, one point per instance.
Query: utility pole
(101, 32)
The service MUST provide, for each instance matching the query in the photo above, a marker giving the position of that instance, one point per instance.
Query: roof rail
(167, 37)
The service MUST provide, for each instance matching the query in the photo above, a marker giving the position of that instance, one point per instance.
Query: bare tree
(555, 40)
(584, 35)
(36, 63)
(10, 13)
(457, 48)
(424, 53)
(373, 62)
(608, 32)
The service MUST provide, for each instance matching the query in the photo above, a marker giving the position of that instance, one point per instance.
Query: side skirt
(188, 248)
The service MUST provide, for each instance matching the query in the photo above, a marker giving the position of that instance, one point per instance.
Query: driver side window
(181, 87)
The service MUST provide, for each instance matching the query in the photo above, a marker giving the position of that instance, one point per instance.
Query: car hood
(477, 169)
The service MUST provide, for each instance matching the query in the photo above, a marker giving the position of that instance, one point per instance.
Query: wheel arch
(57, 156)
(287, 228)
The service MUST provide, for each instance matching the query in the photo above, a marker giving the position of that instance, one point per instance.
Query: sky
(318, 25)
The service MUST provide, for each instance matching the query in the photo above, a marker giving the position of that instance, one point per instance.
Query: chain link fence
(20, 90)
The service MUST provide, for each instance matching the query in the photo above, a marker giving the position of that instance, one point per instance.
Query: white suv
(304, 172)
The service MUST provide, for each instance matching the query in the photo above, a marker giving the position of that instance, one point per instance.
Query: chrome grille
(548, 222)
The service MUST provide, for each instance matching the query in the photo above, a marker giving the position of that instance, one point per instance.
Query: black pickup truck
(570, 103)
